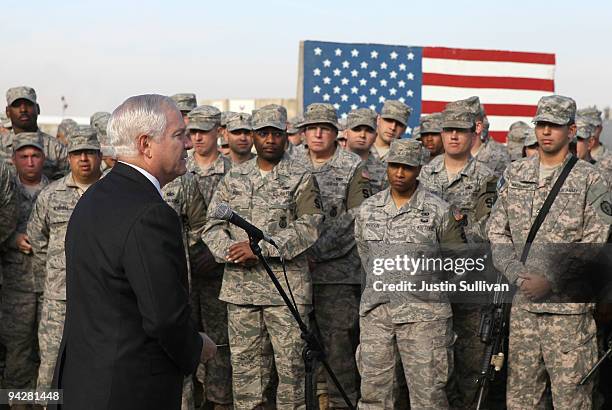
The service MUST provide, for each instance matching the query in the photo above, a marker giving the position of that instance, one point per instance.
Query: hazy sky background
(99, 53)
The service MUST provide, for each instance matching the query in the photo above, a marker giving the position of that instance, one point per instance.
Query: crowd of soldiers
(334, 197)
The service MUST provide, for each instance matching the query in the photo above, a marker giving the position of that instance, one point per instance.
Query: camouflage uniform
(335, 267)
(47, 231)
(553, 338)
(375, 168)
(421, 332)
(471, 194)
(291, 198)
(429, 124)
(210, 313)
(602, 158)
(56, 156)
(239, 121)
(393, 110)
(21, 290)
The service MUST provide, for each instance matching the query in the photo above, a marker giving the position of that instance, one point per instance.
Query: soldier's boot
(323, 401)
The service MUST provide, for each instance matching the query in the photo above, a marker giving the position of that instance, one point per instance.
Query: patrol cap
(83, 137)
(225, 116)
(530, 137)
(416, 133)
(293, 125)
(518, 124)
(15, 93)
(239, 121)
(556, 109)
(431, 124)
(185, 102)
(458, 119)
(584, 127)
(98, 117)
(66, 126)
(271, 115)
(27, 139)
(406, 151)
(361, 116)
(471, 104)
(592, 114)
(396, 110)
(204, 118)
(321, 113)
(5, 121)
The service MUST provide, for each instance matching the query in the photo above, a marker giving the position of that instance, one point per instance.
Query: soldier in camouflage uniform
(530, 145)
(47, 231)
(5, 125)
(516, 139)
(22, 279)
(593, 116)
(430, 134)
(208, 167)
(99, 121)
(281, 198)
(239, 135)
(548, 338)
(360, 135)
(406, 216)
(295, 135)
(390, 124)
(486, 150)
(23, 110)
(469, 187)
(335, 265)
(64, 128)
(185, 102)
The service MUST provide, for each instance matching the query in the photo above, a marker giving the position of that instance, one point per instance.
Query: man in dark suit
(128, 340)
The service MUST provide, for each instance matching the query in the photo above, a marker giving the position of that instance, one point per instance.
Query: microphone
(224, 212)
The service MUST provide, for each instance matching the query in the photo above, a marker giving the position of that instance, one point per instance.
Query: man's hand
(209, 348)
(23, 243)
(241, 253)
(535, 287)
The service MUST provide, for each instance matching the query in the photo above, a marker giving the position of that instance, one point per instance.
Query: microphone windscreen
(222, 211)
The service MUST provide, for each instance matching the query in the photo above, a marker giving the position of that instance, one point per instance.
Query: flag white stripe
(488, 68)
(486, 95)
(502, 123)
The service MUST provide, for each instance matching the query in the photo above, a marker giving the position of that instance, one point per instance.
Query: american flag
(350, 76)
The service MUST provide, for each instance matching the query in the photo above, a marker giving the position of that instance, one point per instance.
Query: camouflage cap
(83, 137)
(556, 109)
(416, 133)
(361, 116)
(320, 113)
(66, 126)
(28, 139)
(99, 118)
(271, 115)
(239, 121)
(204, 118)
(225, 116)
(519, 124)
(584, 127)
(4, 120)
(396, 110)
(471, 104)
(15, 93)
(431, 124)
(592, 114)
(530, 137)
(516, 138)
(406, 151)
(185, 102)
(457, 119)
(293, 125)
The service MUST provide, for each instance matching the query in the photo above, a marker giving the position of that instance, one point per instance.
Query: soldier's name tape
(30, 396)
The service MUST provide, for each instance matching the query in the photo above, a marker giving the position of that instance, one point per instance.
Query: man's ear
(479, 127)
(572, 130)
(143, 145)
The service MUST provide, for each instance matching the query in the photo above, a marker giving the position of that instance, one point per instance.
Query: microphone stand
(313, 350)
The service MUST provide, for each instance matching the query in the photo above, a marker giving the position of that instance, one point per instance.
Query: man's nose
(187, 142)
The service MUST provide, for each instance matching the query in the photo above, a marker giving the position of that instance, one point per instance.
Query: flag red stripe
(488, 55)
(465, 81)
(499, 136)
(491, 109)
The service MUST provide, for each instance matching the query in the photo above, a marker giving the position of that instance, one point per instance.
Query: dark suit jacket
(128, 340)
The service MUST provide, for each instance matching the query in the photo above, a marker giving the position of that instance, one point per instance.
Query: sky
(97, 54)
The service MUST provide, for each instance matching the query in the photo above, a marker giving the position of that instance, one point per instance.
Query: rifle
(494, 327)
